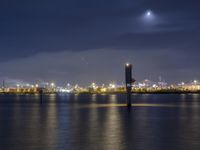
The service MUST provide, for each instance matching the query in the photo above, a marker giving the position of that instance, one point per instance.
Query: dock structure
(41, 95)
(129, 80)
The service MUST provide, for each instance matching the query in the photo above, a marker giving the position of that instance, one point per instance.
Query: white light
(112, 85)
(149, 16)
(154, 86)
(94, 86)
(149, 13)
(195, 81)
(52, 84)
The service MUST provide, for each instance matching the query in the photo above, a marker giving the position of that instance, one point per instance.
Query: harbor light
(195, 82)
(112, 85)
(52, 84)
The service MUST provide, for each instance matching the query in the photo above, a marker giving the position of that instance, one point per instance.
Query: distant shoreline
(140, 92)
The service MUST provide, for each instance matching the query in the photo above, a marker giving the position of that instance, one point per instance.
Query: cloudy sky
(81, 41)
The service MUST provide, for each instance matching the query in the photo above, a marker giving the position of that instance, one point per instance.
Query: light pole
(129, 80)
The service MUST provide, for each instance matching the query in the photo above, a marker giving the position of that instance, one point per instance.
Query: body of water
(100, 122)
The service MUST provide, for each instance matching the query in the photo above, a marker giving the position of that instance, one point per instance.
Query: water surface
(100, 122)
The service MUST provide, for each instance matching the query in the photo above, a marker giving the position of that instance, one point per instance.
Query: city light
(112, 85)
(141, 87)
(195, 82)
(52, 84)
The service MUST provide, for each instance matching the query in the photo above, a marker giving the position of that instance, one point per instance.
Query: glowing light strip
(124, 105)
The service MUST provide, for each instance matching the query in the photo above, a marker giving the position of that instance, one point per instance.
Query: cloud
(101, 66)
(31, 27)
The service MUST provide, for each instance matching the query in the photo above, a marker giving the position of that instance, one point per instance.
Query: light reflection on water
(100, 122)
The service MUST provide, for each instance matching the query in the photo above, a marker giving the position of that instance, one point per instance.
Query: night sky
(81, 41)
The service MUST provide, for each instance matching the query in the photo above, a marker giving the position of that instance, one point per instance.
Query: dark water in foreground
(100, 122)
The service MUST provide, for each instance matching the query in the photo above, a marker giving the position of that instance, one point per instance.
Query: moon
(149, 18)
(149, 13)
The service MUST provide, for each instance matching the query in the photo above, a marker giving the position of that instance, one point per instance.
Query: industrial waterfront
(145, 86)
(108, 117)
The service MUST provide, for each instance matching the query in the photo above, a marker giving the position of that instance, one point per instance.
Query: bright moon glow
(149, 17)
(148, 13)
